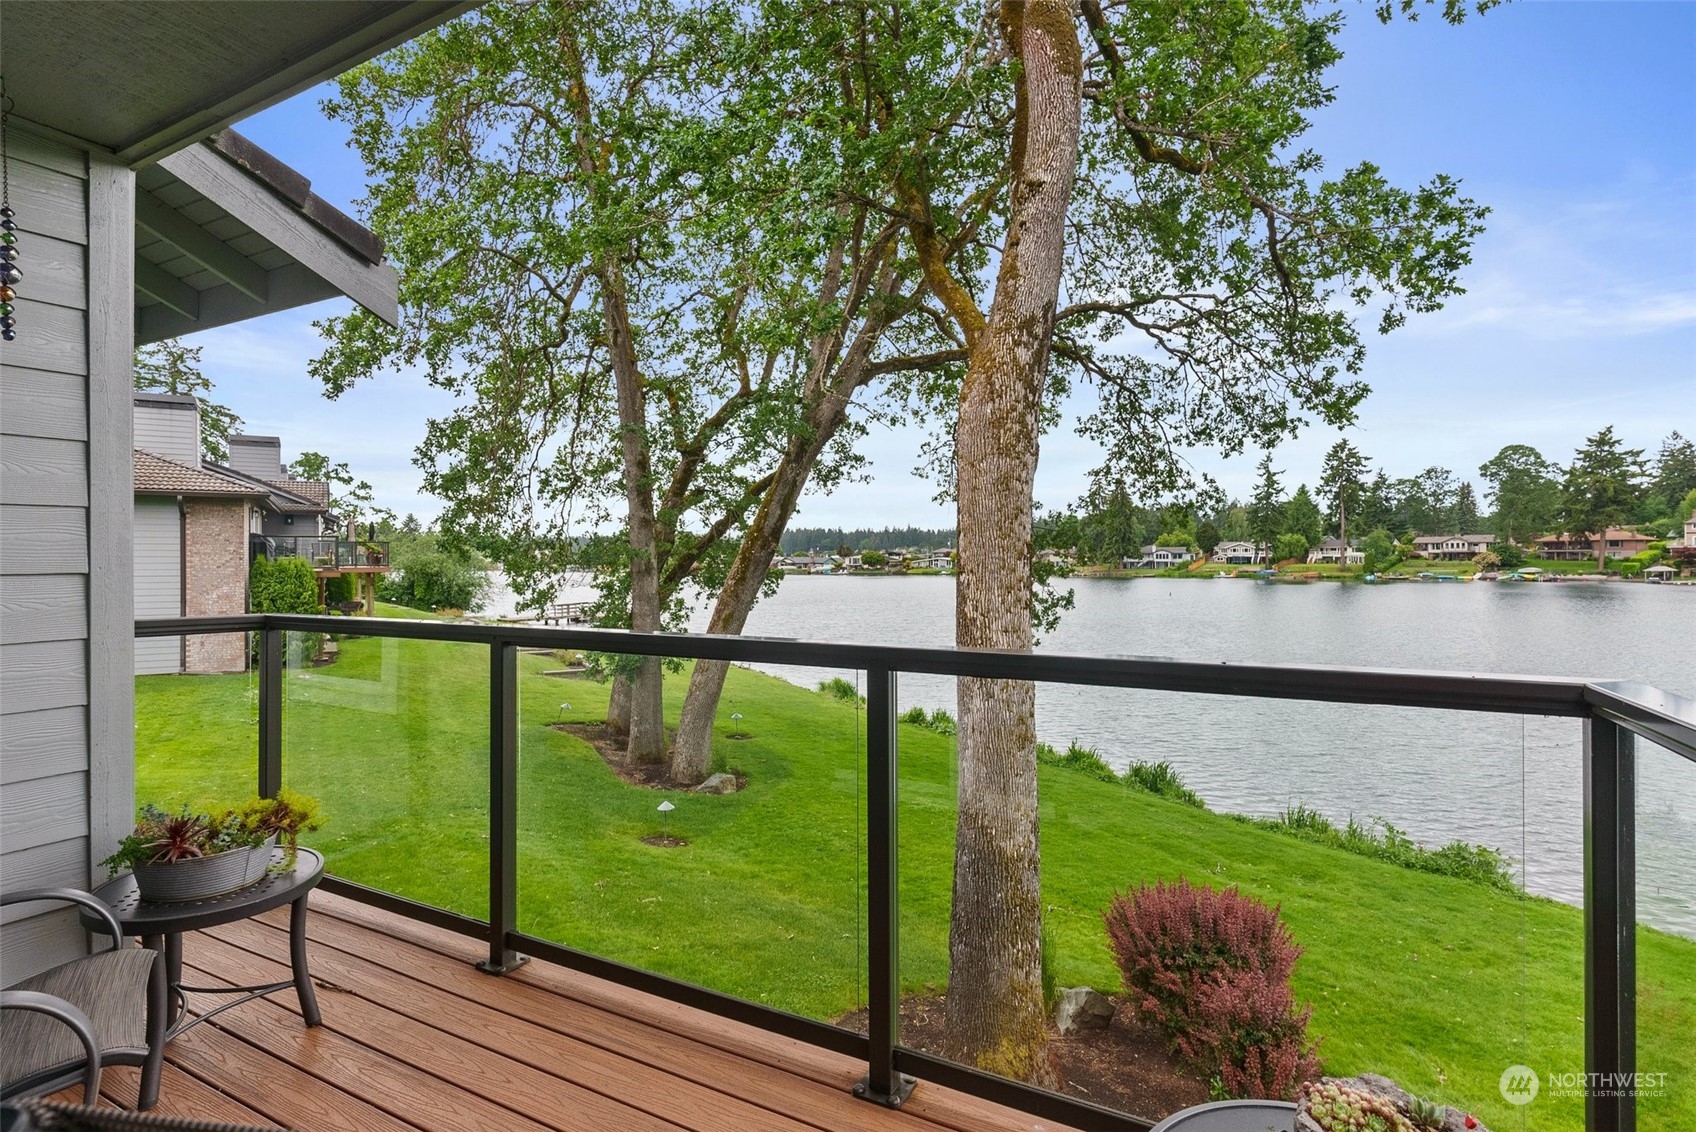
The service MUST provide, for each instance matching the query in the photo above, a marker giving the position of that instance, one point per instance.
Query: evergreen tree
(1465, 513)
(1266, 509)
(1303, 517)
(1340, 483)
(1602, 488)
(1675, 468)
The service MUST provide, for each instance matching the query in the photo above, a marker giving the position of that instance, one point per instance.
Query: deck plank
(270, 1085)
(826, 1105)
(543, 1055)
(643, 1014)
(179, 1095)
(498, 1090)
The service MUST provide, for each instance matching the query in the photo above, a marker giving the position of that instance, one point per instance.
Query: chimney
(168, 425)
(259, 456)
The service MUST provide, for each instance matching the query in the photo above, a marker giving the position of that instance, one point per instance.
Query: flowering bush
(1212, 968)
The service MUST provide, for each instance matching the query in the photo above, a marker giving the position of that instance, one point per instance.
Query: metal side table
(161, 927)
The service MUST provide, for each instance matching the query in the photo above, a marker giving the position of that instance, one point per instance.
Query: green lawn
(1436, 982)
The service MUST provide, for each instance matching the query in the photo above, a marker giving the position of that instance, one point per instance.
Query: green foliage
(1302, 517)
(1288, 546)
(162, 836)
(286, 585)
(428, 577)
(1341, 482)
(342, 587)
(1162, 780)
(918, 717)
(1426, 1113)
(873, 559)
(1602, 486)
(1266, 509)
(1083, 760)
(1379, 839)
(1511, 556)
(1336, 1107)
(349, 497)
(1381, 553)
(1523, 491)
(838, 688)
(171, 367)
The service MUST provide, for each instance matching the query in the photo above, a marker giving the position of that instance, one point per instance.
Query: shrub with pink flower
(1212, 968)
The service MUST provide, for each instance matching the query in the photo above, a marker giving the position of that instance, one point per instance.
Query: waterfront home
(1452, 548)
(1160, 557)
(1330, 549)
(1617, 543)
(1240, 553)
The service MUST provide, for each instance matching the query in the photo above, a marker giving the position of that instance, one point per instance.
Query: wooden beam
(200, 245)
(289, 286)
(155, 281)
(373, 286)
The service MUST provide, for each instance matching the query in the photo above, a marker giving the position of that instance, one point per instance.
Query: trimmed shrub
(286, 585)
(433, 579)
(1160, 778)
(1212, 968)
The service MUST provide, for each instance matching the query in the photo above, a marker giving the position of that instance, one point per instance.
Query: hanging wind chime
(10, 276)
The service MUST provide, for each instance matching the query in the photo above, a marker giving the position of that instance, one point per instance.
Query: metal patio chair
(47, 1116)
(65, 1024)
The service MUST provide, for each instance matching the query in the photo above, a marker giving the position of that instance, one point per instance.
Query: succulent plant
(1426, 1113)
(1339, 1108)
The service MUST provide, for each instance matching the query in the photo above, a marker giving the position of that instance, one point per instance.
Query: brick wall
(217, 580)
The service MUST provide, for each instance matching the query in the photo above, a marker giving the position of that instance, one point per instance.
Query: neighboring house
(938, 559)
(1330, 549)
(1239, 553)
(1617, 543)
(191, 536)
(1452, 548)
(134, 229)
(1690, 531)
(300, 508)
(1160, 556)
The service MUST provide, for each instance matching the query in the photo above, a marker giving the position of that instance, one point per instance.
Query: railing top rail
(1661, 717)
(1532, 695)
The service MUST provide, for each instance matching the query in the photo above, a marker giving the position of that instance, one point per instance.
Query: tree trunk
(618, 707)
(692, 747)
(996, 1016)
(647, 720)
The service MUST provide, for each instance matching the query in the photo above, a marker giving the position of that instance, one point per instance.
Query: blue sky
(1574, 122)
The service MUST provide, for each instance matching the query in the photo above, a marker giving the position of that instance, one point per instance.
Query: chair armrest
(55, 1007)
(70, 896)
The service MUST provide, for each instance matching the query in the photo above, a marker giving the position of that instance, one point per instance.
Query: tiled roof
(315, 490)
(155, 475)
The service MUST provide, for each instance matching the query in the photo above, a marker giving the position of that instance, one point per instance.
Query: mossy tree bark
(996, 1019)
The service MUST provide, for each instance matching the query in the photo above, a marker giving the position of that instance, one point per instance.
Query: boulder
(1080, 1008)
(718, 784)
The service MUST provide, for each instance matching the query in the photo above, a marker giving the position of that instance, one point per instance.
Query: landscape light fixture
(665, 820)
(563, 708)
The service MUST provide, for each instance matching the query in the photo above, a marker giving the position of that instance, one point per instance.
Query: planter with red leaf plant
(187, 854)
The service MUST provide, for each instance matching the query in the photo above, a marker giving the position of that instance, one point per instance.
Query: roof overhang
(226, 232)
(145, 78)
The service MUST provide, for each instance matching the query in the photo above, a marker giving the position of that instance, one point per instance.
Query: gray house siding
(158, 580)
(66, 692)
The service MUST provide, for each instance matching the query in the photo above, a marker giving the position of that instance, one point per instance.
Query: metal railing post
(503, 807)
(1610, 926)
(270, 712)
(882, 1084)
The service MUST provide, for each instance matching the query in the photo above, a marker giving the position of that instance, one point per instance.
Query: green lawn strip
(1439, 983)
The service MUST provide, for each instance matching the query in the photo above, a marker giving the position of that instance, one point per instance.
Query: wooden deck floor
(415, 1038)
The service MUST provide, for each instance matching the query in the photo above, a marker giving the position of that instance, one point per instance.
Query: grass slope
(1439, 983)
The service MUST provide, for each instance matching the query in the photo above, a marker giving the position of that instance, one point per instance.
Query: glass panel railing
(1666, 939)
(737, 865)
(1392, 844)
(196, 721)
(392, 738)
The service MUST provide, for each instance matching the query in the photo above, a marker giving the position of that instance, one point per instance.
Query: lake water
(1511, 782)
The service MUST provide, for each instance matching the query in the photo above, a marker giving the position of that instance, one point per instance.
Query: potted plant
(373, 554)
(192, 855)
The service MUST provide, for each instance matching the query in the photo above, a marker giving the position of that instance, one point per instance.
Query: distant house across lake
(1330, 549)
(1453, 548)
(1617, 543)
(1239, 553)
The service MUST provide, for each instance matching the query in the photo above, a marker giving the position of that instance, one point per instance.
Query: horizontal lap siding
(44, 547)
(158, 581)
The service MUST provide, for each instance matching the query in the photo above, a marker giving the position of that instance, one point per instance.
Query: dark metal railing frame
(1613, 714)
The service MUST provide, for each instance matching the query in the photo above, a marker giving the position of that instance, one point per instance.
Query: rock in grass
(718, 784)
(1080, 1008)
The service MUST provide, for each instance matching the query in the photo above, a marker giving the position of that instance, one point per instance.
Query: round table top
(141, 917)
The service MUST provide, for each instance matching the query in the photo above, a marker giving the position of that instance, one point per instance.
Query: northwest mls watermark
(1520, 1084)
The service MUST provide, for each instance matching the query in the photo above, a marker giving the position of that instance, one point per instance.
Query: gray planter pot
(199, 878)
(1232, 1116)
